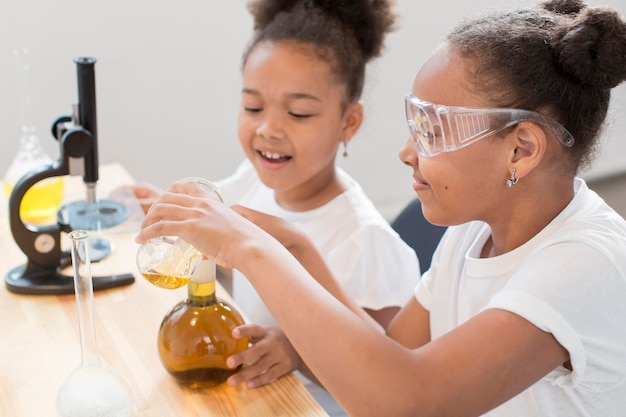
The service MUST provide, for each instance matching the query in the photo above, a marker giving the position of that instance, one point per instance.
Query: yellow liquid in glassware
(41, 202)
(169, 282)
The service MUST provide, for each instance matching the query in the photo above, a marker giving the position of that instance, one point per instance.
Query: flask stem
(83, 289)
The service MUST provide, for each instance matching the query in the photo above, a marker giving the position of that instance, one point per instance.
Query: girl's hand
(146, 194)
(270, 356)
(187, 210)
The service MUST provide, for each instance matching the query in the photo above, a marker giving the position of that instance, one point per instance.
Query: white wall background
(168, 83)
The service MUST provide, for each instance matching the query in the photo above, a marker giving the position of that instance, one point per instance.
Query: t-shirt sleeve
(376, 267)
(581, 302)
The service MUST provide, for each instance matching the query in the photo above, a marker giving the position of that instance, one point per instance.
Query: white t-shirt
(569, 280)
(369, 259)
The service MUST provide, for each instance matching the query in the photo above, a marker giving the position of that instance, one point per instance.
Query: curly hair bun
(564, 6)
(593, 45)
(368, 20)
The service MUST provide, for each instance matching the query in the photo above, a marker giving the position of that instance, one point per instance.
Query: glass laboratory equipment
(169, 261)
(40, 203)
(195, 338)
(94, 389)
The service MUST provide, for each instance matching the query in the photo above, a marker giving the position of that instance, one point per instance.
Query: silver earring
(345, 149)
(512, 180)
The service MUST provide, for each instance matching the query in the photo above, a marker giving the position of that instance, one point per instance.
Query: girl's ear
(529, 148)
(352, 121)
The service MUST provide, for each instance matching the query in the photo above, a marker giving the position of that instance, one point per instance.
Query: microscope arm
(40, 243)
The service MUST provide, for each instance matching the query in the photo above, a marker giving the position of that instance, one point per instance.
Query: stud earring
(345, 149)
(512, 180)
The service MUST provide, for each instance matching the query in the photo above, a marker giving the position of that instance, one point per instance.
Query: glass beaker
(94, 388)
(42, 201)
(195, 338)
(169, 261)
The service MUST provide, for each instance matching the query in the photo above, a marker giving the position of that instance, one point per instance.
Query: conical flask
(42, 201)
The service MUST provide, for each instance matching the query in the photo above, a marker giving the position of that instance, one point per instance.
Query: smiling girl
(303, 75)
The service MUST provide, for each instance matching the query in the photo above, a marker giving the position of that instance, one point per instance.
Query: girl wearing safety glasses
(522, 312)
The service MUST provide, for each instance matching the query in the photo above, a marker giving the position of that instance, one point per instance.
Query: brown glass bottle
(195, 336)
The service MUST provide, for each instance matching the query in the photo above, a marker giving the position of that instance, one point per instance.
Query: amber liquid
(165, 281)
(195, 338)
(203, 377)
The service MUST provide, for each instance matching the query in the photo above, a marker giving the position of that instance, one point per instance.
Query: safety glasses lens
(421, 128)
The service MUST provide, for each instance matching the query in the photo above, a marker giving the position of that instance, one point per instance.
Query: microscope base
(34, 280)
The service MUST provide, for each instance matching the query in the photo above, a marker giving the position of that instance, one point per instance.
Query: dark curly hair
(561, 59)
(347, 34)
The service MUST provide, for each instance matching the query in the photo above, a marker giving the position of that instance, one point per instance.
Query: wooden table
(39, 339)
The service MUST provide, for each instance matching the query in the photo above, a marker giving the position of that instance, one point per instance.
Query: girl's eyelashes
(292, 114)
(300, 115)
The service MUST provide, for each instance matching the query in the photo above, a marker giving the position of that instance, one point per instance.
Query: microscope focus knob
(77, 142)
(59, 127)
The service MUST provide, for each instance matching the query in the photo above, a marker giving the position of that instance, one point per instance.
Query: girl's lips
(419, 185)
(272, 160)
(273, 156)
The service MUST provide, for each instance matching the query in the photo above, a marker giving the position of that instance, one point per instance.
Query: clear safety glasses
(436, 128)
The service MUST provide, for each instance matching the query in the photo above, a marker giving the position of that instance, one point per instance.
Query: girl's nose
(408, 153)
(270, 128)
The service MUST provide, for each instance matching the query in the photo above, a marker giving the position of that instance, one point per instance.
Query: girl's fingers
(251, 355)
(259, 371)
(252, 331)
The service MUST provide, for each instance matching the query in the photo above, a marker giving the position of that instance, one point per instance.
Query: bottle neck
(201, 294)
(201, 288)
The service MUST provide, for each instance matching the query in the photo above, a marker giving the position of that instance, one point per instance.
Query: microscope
(78, 140)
